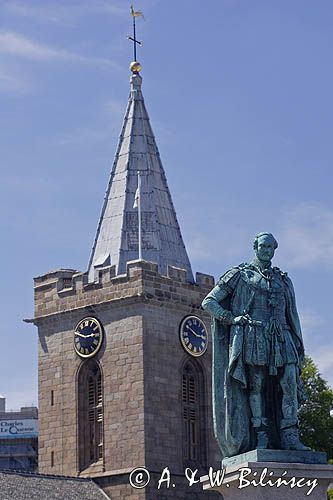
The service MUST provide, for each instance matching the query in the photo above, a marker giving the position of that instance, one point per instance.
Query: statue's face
(265, 248)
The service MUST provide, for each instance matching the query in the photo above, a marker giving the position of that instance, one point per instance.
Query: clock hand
(85, 336)
(196, 334)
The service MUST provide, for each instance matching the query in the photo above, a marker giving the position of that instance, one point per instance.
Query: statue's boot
(290, 440)
(262, 440)
(261, 427)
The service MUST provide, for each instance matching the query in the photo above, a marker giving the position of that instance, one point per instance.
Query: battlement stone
(177, 274)
(68, 289)
(205, 280)
(52, 275)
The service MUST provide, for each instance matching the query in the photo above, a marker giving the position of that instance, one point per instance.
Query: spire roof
(116, 241)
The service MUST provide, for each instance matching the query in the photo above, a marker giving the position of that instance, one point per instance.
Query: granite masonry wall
(141, 360)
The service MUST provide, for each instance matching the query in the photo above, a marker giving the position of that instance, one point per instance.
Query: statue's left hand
(240, 320)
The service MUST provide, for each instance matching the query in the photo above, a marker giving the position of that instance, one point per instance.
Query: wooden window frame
(193, 415)
(90, 415)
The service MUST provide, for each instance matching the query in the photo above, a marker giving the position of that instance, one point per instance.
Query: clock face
(88, 337)
(193, 335)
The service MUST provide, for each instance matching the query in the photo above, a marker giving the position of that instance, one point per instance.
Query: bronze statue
(257, 355)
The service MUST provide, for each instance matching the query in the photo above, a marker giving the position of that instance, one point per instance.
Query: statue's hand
(240, 320)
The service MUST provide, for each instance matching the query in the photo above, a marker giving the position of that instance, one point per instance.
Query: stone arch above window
(90, 415)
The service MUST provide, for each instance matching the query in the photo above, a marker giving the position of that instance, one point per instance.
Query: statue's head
(264, 246)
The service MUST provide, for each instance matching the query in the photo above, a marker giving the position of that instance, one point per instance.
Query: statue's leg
(256, 378)
(259, 422)
(289, 423)
(289, 396)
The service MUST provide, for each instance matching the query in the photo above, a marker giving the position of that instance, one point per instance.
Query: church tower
(124, 348)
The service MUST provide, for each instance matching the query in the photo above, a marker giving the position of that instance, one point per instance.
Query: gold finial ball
(135, 67)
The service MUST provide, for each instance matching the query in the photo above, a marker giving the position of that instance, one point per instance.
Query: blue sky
(240, 98)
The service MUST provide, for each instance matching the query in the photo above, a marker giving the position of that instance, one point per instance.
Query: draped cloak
(231, 410)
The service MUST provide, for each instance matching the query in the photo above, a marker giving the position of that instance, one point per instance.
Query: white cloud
(91, 133)
(197, 248)
(317, 345)
(115, 108)
(45, 13)
(28, 185)
(310, 321)
(304, 233)
(64, 13)
(214, 238)
(16, 399)
(13, 81)
(307, 236)
(111, 7)
(18, 45)
(102, 126)
(324, 360)
(115, 111)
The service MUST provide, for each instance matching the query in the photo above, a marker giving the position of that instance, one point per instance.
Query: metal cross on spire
(134, 14)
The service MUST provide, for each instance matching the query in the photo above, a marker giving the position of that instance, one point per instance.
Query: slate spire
(116, 241)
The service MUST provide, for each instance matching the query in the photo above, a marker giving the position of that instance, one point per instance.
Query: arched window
(90, 414)
(193, 412)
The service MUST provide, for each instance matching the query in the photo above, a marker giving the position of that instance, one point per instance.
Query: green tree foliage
(316, 424)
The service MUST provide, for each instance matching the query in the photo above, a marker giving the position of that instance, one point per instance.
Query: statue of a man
(257, 352)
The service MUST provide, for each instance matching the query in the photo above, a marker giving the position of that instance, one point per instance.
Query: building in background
(18, 438)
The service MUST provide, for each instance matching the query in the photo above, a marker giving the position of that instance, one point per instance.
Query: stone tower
(124, 364)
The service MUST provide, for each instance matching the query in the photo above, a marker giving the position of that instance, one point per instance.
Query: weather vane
(135, 66)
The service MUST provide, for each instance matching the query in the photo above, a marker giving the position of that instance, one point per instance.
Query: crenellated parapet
(67, 289)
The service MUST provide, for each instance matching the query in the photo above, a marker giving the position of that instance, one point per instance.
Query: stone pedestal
(253, 480)
(282, 456)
